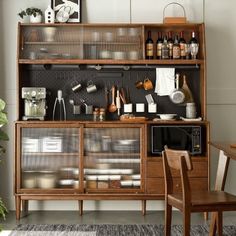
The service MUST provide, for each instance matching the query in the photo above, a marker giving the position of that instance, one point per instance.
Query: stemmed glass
(194, 50)
(187, 50)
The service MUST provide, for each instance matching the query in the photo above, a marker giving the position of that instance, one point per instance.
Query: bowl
(167, 116)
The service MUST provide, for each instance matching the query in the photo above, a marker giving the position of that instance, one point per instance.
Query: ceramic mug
(147, 84)
(91, 87)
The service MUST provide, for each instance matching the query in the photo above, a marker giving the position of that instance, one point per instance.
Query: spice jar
(102, 114)
(96, 114)
(190, 110)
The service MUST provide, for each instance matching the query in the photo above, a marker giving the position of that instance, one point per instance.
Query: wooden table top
(229, 148)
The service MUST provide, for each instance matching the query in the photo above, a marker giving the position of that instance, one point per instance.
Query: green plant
(30, 11)
(3, 137)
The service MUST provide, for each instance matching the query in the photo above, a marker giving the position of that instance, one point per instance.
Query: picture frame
(67, 10)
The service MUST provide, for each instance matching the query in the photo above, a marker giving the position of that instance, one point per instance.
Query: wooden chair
(187, 201)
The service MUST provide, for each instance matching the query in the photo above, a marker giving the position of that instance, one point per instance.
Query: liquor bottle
(182, 44)
(170, 44)
(193, 39)
(149, 46)
(176, 48)
(165, 49)
(194, 46)
(159, 45)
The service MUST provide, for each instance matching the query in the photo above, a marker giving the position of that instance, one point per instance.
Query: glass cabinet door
(50, 158)
(81, 42)
(112, 158)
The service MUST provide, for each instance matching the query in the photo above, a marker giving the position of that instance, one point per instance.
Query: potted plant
(35, 14)
(3, 137)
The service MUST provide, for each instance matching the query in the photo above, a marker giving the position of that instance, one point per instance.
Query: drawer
(155, 169)
(157, 185)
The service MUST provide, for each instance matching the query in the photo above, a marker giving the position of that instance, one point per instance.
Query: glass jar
(102, 114)
(96, 114)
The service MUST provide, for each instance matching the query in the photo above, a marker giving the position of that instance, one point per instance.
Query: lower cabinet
(90, 161)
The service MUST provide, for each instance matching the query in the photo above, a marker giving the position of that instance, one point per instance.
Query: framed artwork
(67, 10)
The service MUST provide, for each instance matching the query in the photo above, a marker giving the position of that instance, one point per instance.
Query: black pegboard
(65, 77)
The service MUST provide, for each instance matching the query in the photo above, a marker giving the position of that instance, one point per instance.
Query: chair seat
(205, 200)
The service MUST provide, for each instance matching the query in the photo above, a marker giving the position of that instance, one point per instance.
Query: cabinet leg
(18, 207)
(80, 207)
(25, 206)
(144, 207)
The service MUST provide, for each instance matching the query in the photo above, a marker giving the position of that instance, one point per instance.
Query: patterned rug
(111, 230)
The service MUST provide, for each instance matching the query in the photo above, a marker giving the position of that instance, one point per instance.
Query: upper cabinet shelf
(99, 43)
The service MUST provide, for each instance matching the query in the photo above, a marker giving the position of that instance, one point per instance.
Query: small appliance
(34, 103)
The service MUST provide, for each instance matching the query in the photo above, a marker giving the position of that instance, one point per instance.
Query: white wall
(221, 50)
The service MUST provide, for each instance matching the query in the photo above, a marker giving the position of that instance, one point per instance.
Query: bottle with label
(165, 49)
(149, 46)
(176, 48)
(159, 45)
(182, 44)
(170, 44)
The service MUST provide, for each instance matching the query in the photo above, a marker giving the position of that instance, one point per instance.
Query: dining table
(227, 152)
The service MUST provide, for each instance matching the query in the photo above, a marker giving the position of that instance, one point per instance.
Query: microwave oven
(180, 137)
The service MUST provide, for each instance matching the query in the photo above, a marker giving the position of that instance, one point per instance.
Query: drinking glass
(187, 50)
(194, 50)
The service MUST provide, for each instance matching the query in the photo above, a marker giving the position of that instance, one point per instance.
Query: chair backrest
(178, 160)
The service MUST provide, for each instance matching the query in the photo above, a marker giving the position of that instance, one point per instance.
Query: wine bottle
(165, 49)
(193, 39)
(182, 44)
(149, 46)
(159, 45)
(170, 44)
(176, 48)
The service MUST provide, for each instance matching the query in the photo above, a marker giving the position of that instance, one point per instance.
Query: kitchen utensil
(187, 91)
(167, 116)
(59, 108)
(118, 105)
(91, 87)
(76, 88)
(76, 108)
(177, 96)
(139, 84)
(88, 108)
(112, 107)
(147, 84)
(122, 95)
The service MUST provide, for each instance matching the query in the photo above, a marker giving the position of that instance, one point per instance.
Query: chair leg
(168, 217)
(219, 223)
(187, 222)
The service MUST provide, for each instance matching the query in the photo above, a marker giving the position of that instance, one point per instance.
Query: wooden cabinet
(80, 159)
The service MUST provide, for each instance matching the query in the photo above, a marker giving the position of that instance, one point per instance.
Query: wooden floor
(104, 217)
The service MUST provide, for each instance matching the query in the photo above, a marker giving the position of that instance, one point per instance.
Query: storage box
(51, 144)
(30, 145)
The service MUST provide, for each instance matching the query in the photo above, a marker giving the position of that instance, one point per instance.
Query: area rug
(111, 230)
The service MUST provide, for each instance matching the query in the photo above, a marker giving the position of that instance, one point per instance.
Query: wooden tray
(133, 118)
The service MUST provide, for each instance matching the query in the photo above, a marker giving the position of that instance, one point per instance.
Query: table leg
(221, 174)
(143, 207)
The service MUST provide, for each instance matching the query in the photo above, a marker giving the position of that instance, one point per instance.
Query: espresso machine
(34, 103)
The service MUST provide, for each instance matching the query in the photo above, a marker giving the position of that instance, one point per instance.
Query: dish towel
(165, 81)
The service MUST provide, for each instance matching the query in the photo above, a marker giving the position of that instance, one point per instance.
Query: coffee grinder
(34, 102)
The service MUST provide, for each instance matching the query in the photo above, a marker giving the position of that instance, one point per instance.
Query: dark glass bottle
(159, 45)
(182, 44)
(149, 46)
(165, 49)
(176, 48)
(193, 39)
(170, 44)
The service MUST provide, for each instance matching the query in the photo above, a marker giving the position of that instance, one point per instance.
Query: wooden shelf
(51, 153)
(112, 62)
(118, 154)
(81, 43)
